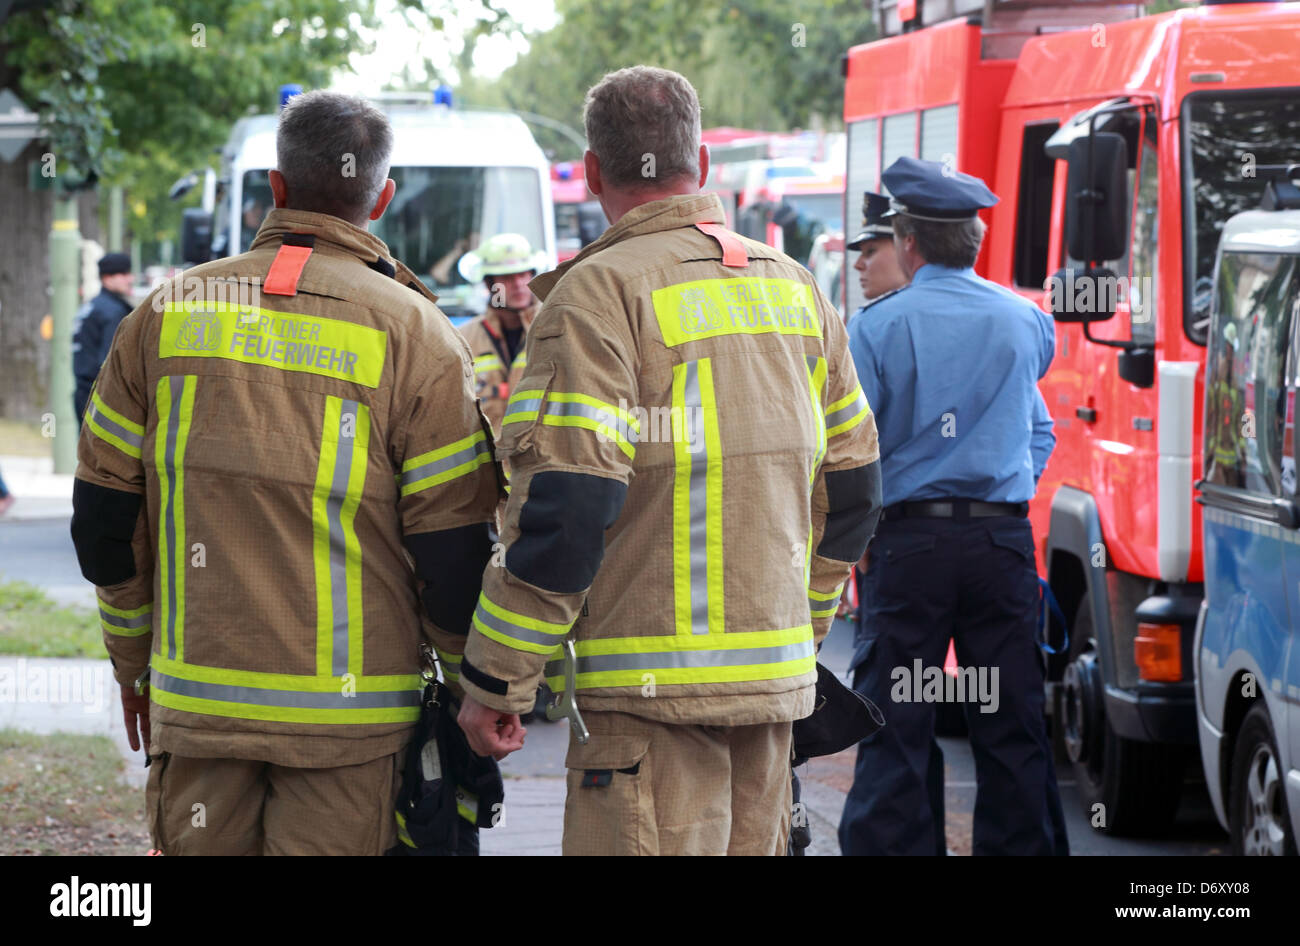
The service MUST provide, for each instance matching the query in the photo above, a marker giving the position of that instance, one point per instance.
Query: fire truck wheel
(1128, 788)
(1257, 814)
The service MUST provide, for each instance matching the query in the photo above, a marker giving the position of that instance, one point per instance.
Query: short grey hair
(643, 125)
(954, 244)
(334, 151)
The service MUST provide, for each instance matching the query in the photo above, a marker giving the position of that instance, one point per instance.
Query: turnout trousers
(973, 581)
(645, 787)
(240, 807)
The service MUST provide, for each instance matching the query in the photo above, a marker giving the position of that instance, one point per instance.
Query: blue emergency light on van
(288, 91)
(442, 95)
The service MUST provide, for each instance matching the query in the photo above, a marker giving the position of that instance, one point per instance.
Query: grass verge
(62, 793)
(32, 625)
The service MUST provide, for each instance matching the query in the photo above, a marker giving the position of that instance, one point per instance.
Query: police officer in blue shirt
(950, 366)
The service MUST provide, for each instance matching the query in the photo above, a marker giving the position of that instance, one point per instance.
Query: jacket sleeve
(110, 522)
(570, 441)
(846, 500)
(1041, 439)
(448, 485)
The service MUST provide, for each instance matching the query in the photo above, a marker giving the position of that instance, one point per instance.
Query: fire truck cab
(1119, 149)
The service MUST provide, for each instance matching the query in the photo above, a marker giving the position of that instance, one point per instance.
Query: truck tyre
(1258, 819)
(1128, 788)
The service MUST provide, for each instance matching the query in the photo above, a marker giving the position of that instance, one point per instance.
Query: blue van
(1247, 662)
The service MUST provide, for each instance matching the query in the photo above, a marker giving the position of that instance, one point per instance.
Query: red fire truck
(1119, 146)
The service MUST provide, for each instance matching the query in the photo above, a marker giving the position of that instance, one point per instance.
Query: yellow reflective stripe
(486, 363)
(450, 665)
(816, 368)
(690, 659)
(352, 553)
(607, 433)
(402, 834)
(698, 595)
(706, 308)
(120, 622)
(517, 630)
(455, 460)
(287, 682)
(336, 551)
(574, 398)
(847, 413)
(286, 341)
(174, 398)
(521, 360)
(523, 405)
(282, 714)
(467, 804)
(713, 488)
(283, 697)
(114, 416)
(114, 428)
(818, 601)
(126, 613)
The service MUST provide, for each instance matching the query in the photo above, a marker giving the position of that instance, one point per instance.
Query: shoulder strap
(733, 251)
(286, 268)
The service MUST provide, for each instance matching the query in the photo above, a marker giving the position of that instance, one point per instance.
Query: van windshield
(437, 215)
(1227, 136)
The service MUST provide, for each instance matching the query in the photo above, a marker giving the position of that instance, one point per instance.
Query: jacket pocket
(609, 808)
(893, 547)
(1018, 538)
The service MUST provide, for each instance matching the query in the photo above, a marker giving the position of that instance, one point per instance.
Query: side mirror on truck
(1097, 204)
(196, 235)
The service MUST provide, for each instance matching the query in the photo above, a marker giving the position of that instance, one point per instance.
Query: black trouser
(972, 581)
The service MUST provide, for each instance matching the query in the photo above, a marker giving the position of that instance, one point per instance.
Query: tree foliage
(764, 64)
(139, 93)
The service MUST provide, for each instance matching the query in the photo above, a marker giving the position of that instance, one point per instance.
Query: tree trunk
(24, 289)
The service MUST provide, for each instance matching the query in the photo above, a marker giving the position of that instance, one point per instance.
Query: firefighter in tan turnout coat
(694, 472)
(505, 263)
(255, 480)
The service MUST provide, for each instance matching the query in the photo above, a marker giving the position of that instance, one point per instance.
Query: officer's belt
(954, 509)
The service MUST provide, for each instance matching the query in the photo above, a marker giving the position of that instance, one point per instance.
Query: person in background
(6, 497)
(951, 366)
(505, 263)
(96, 323)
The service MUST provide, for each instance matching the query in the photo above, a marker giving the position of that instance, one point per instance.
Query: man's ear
(591, 165)
(385, 196)
(279, 190)
(704, 164)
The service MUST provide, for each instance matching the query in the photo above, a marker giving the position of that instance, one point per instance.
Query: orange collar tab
(286, 269)
(733, 251)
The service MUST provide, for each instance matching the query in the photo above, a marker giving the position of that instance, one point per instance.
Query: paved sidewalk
(52, 694)
(39, 492)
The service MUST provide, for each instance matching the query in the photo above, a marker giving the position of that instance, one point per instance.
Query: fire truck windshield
(1227, 135)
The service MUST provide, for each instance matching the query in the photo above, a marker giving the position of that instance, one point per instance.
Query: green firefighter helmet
(501, 255)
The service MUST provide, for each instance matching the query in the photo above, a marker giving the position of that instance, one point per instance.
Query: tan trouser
(642, 787)
(237, 807)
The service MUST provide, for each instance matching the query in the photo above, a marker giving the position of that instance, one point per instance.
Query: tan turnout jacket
(713, 399)
(284, 449)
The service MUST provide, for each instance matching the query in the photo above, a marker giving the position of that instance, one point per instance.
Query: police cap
(928, 190)
(874, 226)
(110, 264)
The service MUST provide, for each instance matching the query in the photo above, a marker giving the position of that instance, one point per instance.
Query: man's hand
(135, 712)
(490, 732)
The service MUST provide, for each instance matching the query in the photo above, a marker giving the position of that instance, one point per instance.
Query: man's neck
(618, 202)
(509, 318)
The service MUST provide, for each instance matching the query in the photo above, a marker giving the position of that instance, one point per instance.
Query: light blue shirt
(950, 366)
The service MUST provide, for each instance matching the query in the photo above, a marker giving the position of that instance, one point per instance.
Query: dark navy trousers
(972, 581)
